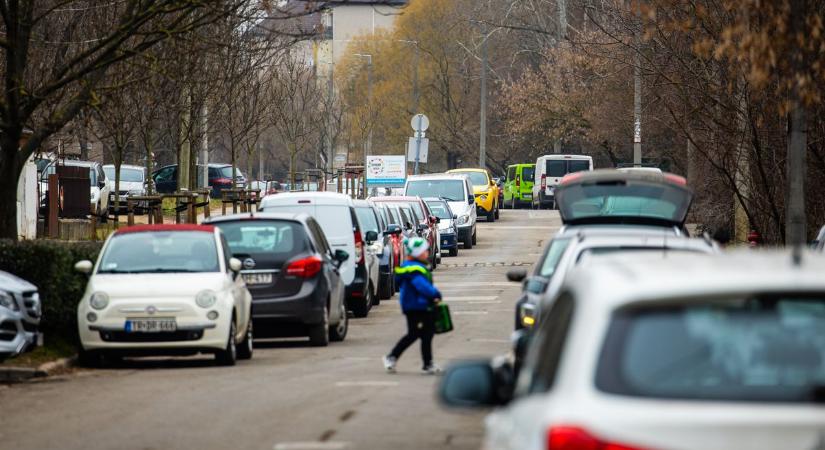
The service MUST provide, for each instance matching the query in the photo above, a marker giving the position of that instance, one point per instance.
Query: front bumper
(448, 241)
(14, 338)
(484, 203)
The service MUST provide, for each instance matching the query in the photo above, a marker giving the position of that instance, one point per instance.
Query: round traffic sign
(420, 122)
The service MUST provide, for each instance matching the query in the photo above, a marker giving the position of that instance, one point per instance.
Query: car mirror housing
(516, 275)
(371, 236)
(470, 199)
(84, 266)
(235, 264)
(422, 227)
(476, 384)
(393, 229)
(341, 255)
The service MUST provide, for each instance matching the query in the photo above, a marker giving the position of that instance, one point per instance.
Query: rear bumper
(306, 307)
(546, 199)
(355, 291)
(448, 241)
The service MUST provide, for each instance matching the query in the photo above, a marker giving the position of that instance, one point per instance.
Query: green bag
(443, 321)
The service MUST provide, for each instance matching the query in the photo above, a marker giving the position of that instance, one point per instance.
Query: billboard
(386, 170)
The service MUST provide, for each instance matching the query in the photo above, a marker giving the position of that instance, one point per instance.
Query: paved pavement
(291, 396)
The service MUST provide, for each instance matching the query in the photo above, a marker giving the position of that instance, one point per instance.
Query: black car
(220, 178)
(291, 272)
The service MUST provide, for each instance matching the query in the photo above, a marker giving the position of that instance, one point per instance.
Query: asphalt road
(291, 396)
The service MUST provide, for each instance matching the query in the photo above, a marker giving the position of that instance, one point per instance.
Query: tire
(89, 359)
(244, 350)
(475, 241)
(374, 300)
(454, 251)
(498, 212)
(387, 289)
(468, 244)
(319, 334)
(363, 307)
(491, 216)
(338, 333)
(229, 355)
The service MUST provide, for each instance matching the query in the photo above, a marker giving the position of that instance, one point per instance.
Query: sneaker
(389, 363)
(432, 369)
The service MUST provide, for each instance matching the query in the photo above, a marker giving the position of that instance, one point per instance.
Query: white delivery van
(550, 169)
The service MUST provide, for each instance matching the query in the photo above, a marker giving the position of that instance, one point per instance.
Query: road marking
(525, 227)
(469, 299)
(439, 284)
(366, 384)
(469, 313)
(494, 341)
(485, 302)
(311, 445)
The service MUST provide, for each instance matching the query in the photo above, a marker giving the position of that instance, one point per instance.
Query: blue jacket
(416, 285)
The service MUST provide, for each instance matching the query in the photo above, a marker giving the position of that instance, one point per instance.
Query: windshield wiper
(163, 270)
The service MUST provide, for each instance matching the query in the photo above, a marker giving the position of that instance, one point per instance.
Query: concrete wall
(27, 202)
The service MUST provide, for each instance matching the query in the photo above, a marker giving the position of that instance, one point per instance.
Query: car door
(510, 183)
(166, 179)
(241, 295)
(331, 272)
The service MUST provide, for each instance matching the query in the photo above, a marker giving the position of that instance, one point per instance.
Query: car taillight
(575, 438)
(222, 181)
(518, 183)
(305, 268)
(543, 182)
(359, 247)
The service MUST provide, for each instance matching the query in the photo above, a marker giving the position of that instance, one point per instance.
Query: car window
(417, 210)
(577, 166)
(329, 217)
(160, 252)
(763, 348)
(395, 218)
(452, 190)
(477, 178)
(227, 252)
(382, 223)
(511, 173)
(543, 362)
(126, 174)
(263, 236)
(555, 168)
(528, 174)
(367, 219)
(165, 174)
(406, 219)
(318, 237)
(440, 210)
(552, 257)
(651, 201)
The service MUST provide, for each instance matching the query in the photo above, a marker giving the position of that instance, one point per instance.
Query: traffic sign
(423, 148)
(420, 122)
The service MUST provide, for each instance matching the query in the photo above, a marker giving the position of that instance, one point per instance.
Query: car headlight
(99, 300)
(463, 219)
(206, 298)
(7, 301)
(483, 197)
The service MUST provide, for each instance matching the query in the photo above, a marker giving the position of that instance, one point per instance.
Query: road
(290, 395)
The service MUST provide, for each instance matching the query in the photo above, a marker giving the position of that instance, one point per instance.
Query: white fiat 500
(164, 290)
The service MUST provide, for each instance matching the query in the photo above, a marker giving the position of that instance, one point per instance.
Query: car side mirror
(516, 275)
(235, 264)
(340, 256)
(470, 199)
(476, 384)
(371, 236)
(434, 219)
(455, 216)
(422, 227)
(84, 266)
(393, 229)
(101, 184)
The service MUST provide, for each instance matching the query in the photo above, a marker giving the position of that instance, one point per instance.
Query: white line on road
(485, 302)
(366, 384)
(439, 284)
(469, 299)
(311, 446)
(524, 227)
(494, 341)
(469, 313)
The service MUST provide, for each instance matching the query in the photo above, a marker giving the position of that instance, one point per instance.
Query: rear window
(440, 210)
(577, 166)
(331, 218)
(528, 173)
(755, 349)
(556, 168)
(605, 200)
(264, 236)
(477, 178)
(451, 190)
(366, 217)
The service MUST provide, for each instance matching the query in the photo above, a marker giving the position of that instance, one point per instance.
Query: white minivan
(550, 169)
(336, 214)
(458, 191)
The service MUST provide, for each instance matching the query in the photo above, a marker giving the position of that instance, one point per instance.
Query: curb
(20, 374)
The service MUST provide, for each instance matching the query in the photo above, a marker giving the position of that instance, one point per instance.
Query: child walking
(418, 297)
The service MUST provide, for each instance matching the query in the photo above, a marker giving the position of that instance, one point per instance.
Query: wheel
(105, 215)
(454, 251)
(245, 348)
(319, 334)
(363, 307)
(498, 212)
(374, 300)
(491, 216)
(89, 359)
(475, 241)
(468, 244)
(338, 332)
(435, 258)
(228, 355)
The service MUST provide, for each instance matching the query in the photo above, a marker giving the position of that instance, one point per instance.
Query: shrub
(49, 265)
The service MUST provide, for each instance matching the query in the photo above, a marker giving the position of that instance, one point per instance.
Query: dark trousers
(420, 325)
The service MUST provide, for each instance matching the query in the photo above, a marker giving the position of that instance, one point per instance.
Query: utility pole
(482, 147)
(637, 100)
(204, 147)
(186, 145)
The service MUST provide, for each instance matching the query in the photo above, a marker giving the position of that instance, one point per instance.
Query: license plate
(257, 278)
(151, 326)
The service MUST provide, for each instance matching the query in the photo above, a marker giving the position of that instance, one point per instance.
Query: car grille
(8, 330)
(31, 302)
(175, 336)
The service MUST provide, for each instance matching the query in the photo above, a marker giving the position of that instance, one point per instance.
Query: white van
(550, 169)
(458, 191)
(336, 214)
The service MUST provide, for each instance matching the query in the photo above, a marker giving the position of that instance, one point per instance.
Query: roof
(295, 217)
(318, 198)
(467, 169)
(125, 166)
(619, 279)
(73, 162)
(438, 176)
(396, 199)
(166, 227)
(608, 175)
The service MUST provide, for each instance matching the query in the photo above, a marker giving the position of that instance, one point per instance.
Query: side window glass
(511, 174)
(546, 352)
(227, 254)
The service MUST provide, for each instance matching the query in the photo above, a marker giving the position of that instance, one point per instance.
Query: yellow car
(485, 191)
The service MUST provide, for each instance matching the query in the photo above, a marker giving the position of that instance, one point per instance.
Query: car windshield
(756, 349)
(452, 190)
(595, 202)
(366, 217)
(528, 173)
(552, 257)
(127, 175)
(226, 171)
(161, 252)
(605, 251)
(440, 210)
(477, 178)
(250, 237)
(412, 211)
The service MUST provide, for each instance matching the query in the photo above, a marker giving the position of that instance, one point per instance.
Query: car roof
(166, 227)
(363, 203)
(467, 169)
(396, 198)
(558, 156)
(434, 199)
(438, 176)
(317, 198)
(568, 231)
(74, 162)
(610, 175)
(616, 280)
(124, 166)
(521, 165)
(295, 217)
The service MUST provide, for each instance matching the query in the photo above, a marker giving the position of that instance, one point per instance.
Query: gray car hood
(9, 282)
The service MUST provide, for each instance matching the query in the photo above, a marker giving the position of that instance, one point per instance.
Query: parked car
(484, 190)
(426, 222)
(132, 183)
(370, 220)
(335, 213)
(220, 178)
(392, 217)
(447, 232)
(98, 185)
(457, 190)
(292, 273)
(685, 352)
(500, 185)
(164, 289)
(518, 188)
(20, 312)
(550, 170)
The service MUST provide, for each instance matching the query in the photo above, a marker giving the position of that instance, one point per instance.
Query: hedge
(49, 265)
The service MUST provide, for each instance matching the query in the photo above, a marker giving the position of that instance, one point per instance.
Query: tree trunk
(9, 177)
(795, 219)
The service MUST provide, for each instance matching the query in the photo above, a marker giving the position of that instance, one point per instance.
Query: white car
(458, 191)
(550, 169)
(685, 352)
(132, 182)
(164, 289)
